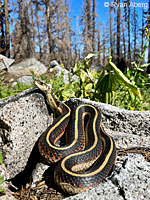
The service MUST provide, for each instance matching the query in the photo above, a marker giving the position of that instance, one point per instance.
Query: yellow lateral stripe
(52, 129)
(51, 99)
(92, 173)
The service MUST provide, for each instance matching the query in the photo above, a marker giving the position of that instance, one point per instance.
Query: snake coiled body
(89, 153)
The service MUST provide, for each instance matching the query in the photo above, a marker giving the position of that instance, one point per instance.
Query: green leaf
(90, 75)
(67, 93)
(89, 56)
(76, 68)
(1, 158)
(1, 179)
(83, 76)
(132, 95)
(105, 86)
(103, 73)
(148, 107)
(89, 86)
(145, 65)
(124, 81)
(2, 191)
(138, 68)
(139, 55)
(134, 63)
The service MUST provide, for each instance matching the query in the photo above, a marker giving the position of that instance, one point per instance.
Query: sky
(102, 8)
(76, 7)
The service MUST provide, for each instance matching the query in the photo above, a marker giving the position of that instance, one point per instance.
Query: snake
(87, 155)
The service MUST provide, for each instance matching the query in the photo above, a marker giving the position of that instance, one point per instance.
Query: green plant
(58, 85)
(112, 85)
(123, 99)
(2, 191)
(138, 77)
(7, 90)
(110, 76)
(86, 82)
(1, 81)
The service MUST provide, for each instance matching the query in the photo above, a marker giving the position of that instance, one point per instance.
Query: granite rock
(129, 181)
(22, 120)
(5, 62)
(24, 67)
(54, 66)
(25, 80)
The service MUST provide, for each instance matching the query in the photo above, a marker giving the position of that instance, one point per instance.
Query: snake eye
(43, 84)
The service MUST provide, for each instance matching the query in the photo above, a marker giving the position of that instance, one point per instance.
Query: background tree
(123, 38)
(142, 32)
(118, 32)
(98, 45)
(45, 30)
(86, 22)
(129, 39)
(7, 47)
(148, 25)
(134, 29)
(93, 26)
(48, 13)
(2, 36)
(110, 28)
(22, 42)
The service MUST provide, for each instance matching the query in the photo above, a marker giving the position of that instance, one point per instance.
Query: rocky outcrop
(25, 67)
(21, 71)
(5, 62)
(129, 181)
(25, 116)
(25, 80)
(22, 119)
(55, 67)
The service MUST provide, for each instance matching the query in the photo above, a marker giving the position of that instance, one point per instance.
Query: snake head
(52, 101)
(42, 86)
